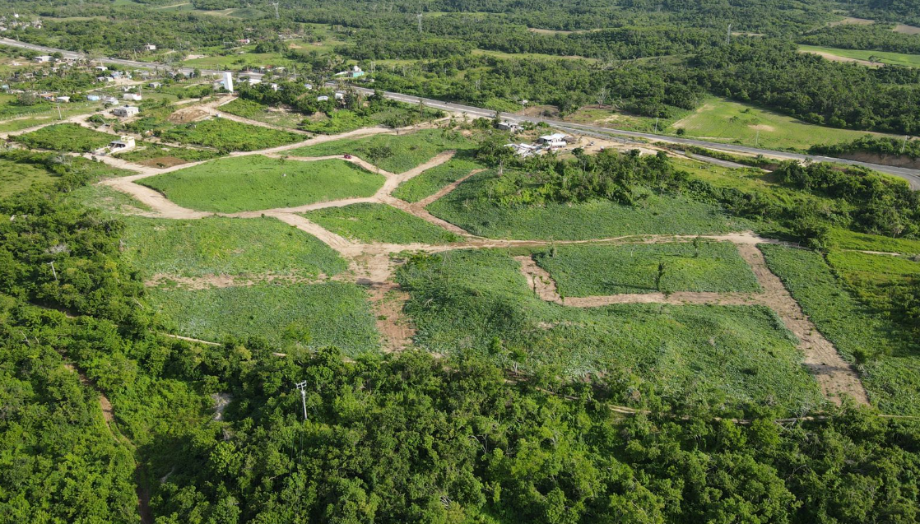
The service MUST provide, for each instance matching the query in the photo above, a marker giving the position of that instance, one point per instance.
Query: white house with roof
(553, 140)
(42, 59)
(133, 97)
(125, 111)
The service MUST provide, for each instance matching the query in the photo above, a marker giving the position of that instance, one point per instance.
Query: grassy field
(17, 118)
(469, 207)
(846, 239)
(238, 61)
(155, 155)
(431, 181)
(227, 135)
(66, 137)
(884, 57)
(299, 315)
(581, 271)
(380, 223)
(16, 177)
(407, 151)
(262, 113)
(874, 278)
(890, 357)
(106, 199)
(252, 183)
(721, 120)
(226, 246)
(479, 301)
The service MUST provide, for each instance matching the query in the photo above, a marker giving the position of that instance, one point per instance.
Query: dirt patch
(850, 20)
(189, 114)
(888, 160)
(906, 29)
(222, 281)
(163, 161)
(388, 301)
(762, 127)
(539, 280)
(838, 58)
(551, 31)
(542, 110)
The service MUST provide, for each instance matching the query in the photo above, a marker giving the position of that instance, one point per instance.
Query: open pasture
(380, 223)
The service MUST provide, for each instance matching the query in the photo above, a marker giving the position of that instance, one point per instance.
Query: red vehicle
(347, 156)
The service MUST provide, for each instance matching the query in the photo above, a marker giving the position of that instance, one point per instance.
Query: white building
(339, 95)
(125, 111)
(134, 97)
(322, 98)
(514, 127)
(110, 100)
(43, 59)
(554, 140)
(125, 144)
(150, 47)
(63, 99)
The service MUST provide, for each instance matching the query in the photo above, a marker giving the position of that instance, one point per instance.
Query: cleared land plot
(155, 155)
(252, 183)
(227, 135)
(406, 151)
(846, 239)
(429, 182)
(65, 137)
(891, 357)
(479, 301)
(470, 208)
(581, 271)
(863, 56)
(380, 223)
(108, 200)
(226, 246)
(298, 315)
(726, 121)
(16, 177)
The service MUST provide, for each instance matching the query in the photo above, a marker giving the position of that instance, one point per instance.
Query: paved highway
(911, 175)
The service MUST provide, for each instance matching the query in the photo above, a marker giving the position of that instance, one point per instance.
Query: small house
(554, 140)
(322, 98)
(125, 111)
(93, 98)
(110, 100)
(150, 47)
(514, 127)
(125, 144)
(134, 97)
(62, 99)
(339, 95)
(154, 85)
(43, 59)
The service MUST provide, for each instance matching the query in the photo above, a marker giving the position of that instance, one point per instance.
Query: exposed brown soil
(907, 29)
(163, 161)
(888, 160)
(222, 281)
(837, 58)
(189, 114)
(396, 329)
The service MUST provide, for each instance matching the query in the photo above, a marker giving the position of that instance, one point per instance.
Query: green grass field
(891, 372)
(479, 301)
(846, 239)
(299, 315)
(262, 113)
(227, 135)
(106, 199)
(408, 151)
(238, 61)
(721, 120)
(253, 183)
(380, 223)
(17, 118)
(163, 156)
(884, 57)
(431, 181)
(226, 246)
(469, 207)
(581, 271)
(16, 177)
(66, 137)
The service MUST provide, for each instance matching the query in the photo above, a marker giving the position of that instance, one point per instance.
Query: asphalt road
(912, 176)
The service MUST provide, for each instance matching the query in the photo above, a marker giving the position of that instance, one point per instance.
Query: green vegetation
(432, 180)
(469, 207)
(881, 146)
(227, 135)
(634, 268)
(296, 315)
(156, 155)
(885, 352)
(883, 57)
(16, 176)
(260, 112)
(380, 223)
(844, 239)
(719, 119)
(479, 301)
(65, 137)
(252, 183)
(226, 246)
(402, 152)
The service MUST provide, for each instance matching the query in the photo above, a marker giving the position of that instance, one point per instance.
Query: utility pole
(60, 116)
(728, 36)
(53, 271)
(656, 125)
(302, 386)
(277, 16)
(904, 144)
(419, 22)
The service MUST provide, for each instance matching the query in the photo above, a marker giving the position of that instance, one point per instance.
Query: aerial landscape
(459, 261)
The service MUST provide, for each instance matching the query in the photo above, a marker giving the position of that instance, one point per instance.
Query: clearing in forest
(380, 223)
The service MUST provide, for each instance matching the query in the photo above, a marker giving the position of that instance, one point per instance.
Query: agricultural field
(290, 317)
(405, 151)
(65, 137)
(107, 200)
(263, 113)
(589, 270)
(380, 223)
(887, 356)
(16, 118)
(470, 208)
(725, 354)
(238, 61)
(261, 247)
(18, 176)
(874, 278)
(252, 183)
(722, 120)
(227, 135)
(845, 239)
(432, 180)
(878, 57)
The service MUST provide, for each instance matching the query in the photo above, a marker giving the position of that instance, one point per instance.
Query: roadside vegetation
(252, 183)
(65, 137)
(380, 223)
(699, 265)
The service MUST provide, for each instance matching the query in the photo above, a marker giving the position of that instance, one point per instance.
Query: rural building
(62, 99)
(355, 72)
(524, 150)
(554, 140)
(339, 95)
(150, 47)
(109, 100)
(42, 59)
(93, 98)
(274, 87)
(154, 85)
(101, 68)
(125, 144)
(134, 97)
(125, 111)
(514, 127)
(322, 98)
(309, 87)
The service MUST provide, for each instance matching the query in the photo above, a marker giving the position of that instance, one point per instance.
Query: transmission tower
(275, 5)
(419, 16)
(302, 386)
(728, 36)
